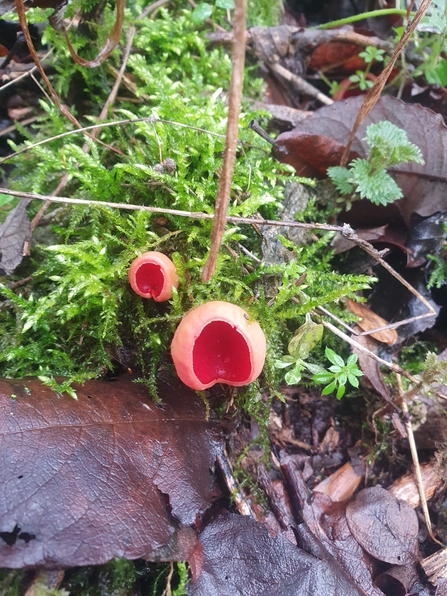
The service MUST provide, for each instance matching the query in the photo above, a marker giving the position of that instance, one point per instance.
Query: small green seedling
(339, 374)
(368, 178)
(300, 346)
(205, 11)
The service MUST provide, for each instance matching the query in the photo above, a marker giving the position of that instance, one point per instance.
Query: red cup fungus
(153, 275)
(217, 343)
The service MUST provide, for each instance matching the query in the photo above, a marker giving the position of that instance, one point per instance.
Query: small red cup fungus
(153, 275)
(217, 343)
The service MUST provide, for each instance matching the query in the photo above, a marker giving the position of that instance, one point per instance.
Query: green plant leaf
(352, 360)
(201, 12)
(353, 380)
(329, 388)
(322, 377)
(225, 4)
(293, 377)
(305, 339)
(333, 357)
(342, 179)
(340, 391)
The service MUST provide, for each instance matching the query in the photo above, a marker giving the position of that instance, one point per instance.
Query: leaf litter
(107, 475)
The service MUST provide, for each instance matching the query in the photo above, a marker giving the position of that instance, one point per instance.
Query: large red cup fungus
(153, 275)
(217, 343)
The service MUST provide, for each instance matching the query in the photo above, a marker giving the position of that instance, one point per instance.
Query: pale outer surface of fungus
(191, 327)
(166, 268)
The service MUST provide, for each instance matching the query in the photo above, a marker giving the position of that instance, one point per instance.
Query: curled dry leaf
(384, 526)
(109, 475)
(370, 320)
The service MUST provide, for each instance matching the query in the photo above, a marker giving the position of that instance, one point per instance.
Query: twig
(352, 342)
(150, 119)
(373, 94)
(241, 503)
(417, 469)
(151, 8)
(32, 50)
(301, 84)
(234, 104)
(110, 100)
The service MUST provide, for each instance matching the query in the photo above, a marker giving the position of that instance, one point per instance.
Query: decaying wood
(405, 487)
(435, 566)
(340, 485)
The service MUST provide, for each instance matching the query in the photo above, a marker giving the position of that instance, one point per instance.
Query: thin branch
(234, 105)
(417, 468)
(300, 84)
(150, 119)
(352, 342)
(32, 50)
(373, 94)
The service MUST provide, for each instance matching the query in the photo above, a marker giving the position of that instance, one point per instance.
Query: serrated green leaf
(341, 178)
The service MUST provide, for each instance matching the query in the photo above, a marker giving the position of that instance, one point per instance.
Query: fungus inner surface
(150, 279)
(221, 352)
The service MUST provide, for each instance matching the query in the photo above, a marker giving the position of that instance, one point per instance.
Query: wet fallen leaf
(384, 526)
(241, 559)
(370, 367)
(331, 536)
(424, 186)
(109, 475)
(426, 237)
(309, 154)
(370, 320)
(396, 303)
(14, 232)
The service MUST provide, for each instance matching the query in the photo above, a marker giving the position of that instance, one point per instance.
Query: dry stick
(234, 105)
(32, 50)
(417, 469)
(238, 220)
(300, 84)
(110, 100)
(352, 342)
(150, 119)
(151, 8)
(373, 94)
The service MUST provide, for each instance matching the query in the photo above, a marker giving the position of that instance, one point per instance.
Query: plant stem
(234, 105)
(383, 12)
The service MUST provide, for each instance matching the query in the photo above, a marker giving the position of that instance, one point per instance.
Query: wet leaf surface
(424, 186)
(14, 231)
(370, 320)
(384, 526)
(241, 559)
(109, 475)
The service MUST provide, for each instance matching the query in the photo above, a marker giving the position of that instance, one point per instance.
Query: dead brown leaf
(109, 475)
(384, 526)
(370, 320)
